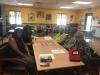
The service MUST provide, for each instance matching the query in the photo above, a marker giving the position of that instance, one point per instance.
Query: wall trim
(97, 38)
(96, 26)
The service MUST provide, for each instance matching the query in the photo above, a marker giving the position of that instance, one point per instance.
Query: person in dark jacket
(15, 48)
(27, 33)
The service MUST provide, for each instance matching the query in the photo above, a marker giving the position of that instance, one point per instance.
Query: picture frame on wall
(48, 16)
(71, 18)
(40, 14)
(31, 17)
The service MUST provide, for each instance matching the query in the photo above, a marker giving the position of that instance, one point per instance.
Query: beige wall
(96, 15)
(27, 10)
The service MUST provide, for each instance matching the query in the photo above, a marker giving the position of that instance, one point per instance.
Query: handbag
(75, 53)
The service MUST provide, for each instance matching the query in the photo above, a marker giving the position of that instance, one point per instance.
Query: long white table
(61, 60)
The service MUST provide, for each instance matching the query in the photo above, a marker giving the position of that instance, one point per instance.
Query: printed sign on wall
(71, 19)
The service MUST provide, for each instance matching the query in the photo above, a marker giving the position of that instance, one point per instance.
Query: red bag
(75, 54)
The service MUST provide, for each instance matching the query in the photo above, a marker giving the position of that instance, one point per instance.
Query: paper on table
(46, 55)
(58, 51)
(48, 38)
(66, 34)
(32, 36)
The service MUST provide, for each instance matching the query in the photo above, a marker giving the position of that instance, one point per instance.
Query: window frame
(61, 18)
(15, 17)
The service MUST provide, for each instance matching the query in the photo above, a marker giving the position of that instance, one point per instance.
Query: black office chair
(39, 31)
(11, 65)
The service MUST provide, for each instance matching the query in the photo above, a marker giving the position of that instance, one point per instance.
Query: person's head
(79, 28)
(27, 29)
(79, 36)
(61, 31)
(18, 33)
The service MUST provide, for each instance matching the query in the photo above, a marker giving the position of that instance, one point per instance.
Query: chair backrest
(90, 33)
(93, 31)
(1, 41)
(39, 29)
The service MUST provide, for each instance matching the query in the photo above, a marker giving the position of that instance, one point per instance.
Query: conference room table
(60, 56)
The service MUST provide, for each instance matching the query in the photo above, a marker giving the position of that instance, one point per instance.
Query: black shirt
(20, 45)
(27, 38)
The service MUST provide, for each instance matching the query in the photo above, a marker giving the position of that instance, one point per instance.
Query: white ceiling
(52, 3)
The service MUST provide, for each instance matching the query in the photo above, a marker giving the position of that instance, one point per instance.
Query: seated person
(60, 36)
(79, 42)
(27, 33)
(39, 29)
(15, 48)
(88, 56)
(78, 37)
(68, 42)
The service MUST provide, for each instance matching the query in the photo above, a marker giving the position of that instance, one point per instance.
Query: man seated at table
(60, 36)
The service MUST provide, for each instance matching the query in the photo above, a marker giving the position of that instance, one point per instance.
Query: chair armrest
(16, 60)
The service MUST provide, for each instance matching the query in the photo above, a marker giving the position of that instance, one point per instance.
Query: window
(61, 19)
(15, 18)
(88, 21)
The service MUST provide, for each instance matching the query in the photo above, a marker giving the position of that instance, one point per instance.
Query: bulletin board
(96, 20)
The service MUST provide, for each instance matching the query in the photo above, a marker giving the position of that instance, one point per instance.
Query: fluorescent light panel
(66, 7)
(25, 4)
(82, 2)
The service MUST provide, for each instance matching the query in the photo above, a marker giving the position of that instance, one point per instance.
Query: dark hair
(15, 32)
(25, 29)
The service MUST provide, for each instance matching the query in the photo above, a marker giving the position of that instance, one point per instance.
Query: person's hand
(28, 58)
(65, 46)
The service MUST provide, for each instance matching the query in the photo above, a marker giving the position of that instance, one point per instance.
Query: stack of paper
(58, 51)
(48, 38)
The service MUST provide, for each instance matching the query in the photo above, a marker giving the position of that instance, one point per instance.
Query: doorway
(88, 22)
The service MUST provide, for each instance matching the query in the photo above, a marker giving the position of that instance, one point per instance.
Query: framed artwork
(31, 17)
(71, 18)
(95, 17)
(40, 14)
(48, 17)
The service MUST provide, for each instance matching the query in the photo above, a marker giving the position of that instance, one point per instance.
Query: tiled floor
(95, 44)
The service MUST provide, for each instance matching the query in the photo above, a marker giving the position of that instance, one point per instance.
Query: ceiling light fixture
(82, 2)
(24, 4)
(64, 7)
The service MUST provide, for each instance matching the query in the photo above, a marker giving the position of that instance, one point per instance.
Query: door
(88, 22)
